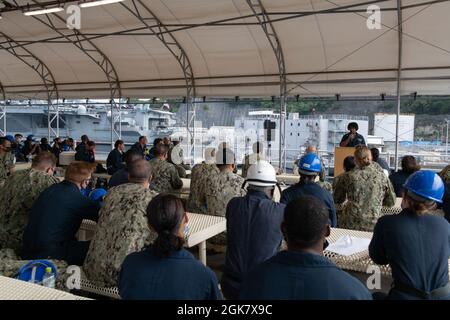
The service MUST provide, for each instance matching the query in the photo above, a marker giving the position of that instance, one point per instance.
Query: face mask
(186, 231)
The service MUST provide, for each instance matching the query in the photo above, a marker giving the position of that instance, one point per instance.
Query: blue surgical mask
(186, 231)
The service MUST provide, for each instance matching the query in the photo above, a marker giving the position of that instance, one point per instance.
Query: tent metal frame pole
(58, 25)
(399, 76)
(31, 60)
(142, 12)
(267, 26)
(3, 110)
(384, 79)
(223, 22)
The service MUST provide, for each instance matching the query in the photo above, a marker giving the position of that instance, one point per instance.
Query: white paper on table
(348, 245)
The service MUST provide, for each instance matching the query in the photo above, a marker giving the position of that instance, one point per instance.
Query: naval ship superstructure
(93, 120)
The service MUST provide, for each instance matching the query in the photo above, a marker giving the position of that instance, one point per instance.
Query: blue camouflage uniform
(293, 275)
(311, 189)
(253, 236)
(416, 247)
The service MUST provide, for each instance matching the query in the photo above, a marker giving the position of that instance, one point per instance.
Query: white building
(384, 126)
(324, 131)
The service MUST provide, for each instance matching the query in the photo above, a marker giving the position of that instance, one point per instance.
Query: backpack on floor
(34, 270)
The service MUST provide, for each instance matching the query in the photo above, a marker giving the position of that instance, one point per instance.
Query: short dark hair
(69, 140)
(157, 141)
(118, 143)
(43, 160)
(409, 164)
(305, 220)
(44, 140)
(131, 156)
(141, 137)
(164, 214)
(3, 140)
(349, 163)
(18, 135)
(375, 154)
(139, 171)
(161, 149)
(353, 125)
(84, 138)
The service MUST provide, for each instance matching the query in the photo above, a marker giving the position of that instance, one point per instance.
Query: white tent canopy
(324, 54)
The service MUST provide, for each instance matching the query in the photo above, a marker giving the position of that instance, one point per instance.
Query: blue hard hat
(97, 194)
(426, 184)
(10, 138)
(309, 164)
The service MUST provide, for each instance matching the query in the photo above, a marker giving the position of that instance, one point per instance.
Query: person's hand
(352, 136)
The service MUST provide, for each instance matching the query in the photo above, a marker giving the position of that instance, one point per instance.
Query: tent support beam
(399, 79)
(267, 26)
(44, 73)
(3, 110)
(328, 72)
(146, 16)
(58, 24)
(229, 21)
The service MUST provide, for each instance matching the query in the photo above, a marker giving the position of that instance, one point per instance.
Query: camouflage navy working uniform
(165, 176)
(367, 190)
(17, 196)
(201, 173)
(121, 229)
(220, 189)
(340, 181)
(325, 185)
(6, 165)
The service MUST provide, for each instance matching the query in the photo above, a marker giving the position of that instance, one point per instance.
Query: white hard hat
(210, 155)
(261, 174)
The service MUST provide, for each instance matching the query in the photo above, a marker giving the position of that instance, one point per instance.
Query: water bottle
(49, 279)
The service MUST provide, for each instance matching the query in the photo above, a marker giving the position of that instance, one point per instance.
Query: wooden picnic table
(13, 289)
